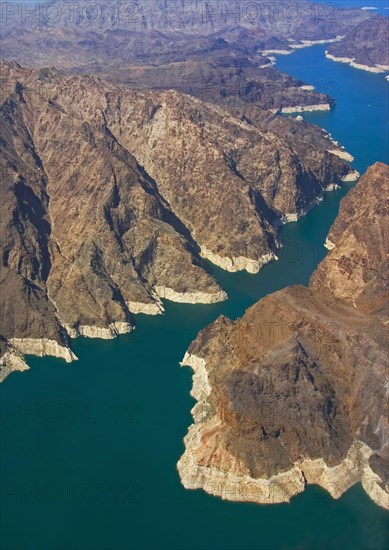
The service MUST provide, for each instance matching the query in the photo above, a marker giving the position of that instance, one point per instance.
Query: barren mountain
(295, 391)
(365, 47)
(110, 196)
(208, 49)
(356, 270)
(207, 67)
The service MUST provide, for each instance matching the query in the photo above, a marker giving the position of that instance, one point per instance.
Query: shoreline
(299, 46)
(240, 263)
(329, 245)
(42, 347)
(190, 297)
(101, 333)
(11, 361)
(296, 216)
(275, 52)
(147, 309)
(352, 176)
(351, 61)
(281, 486)
(308, 43)
(301, 108)
(344, 155)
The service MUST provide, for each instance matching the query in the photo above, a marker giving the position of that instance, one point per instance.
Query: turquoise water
(89, 450)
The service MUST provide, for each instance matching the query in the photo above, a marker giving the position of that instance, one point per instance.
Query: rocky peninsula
(366, 47)
(295, 392)
(112, 197)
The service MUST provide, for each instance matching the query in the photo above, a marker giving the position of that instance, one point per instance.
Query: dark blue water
(89, 450)
(360, 119)
(380, 6)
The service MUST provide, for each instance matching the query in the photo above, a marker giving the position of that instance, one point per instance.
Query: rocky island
(112, 198)
(364, 47)
(295, 392)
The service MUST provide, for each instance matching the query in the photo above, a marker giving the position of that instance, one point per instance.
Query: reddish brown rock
(111, 196)
(295, 391)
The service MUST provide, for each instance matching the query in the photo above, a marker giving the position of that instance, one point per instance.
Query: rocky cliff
(364, 47)
(111, 197)
(295, 391)
(356, 270)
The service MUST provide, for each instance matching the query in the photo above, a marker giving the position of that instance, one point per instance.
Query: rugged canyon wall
(113, 197)
(296, 391)
(364, 47)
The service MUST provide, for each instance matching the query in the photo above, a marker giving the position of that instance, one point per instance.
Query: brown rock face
(366, 45)
(226, 78)
(110, 196)
(296, 390)
(85, 234)
(356, 270)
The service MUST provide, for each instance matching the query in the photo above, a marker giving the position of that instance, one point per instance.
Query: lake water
(375, 6)
(89, 450)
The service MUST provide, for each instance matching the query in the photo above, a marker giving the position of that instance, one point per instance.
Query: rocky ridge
(202, 48)
(295, 392)
(112, 196)
(365, 47)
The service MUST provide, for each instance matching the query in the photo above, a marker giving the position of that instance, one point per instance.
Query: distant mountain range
(207, 49)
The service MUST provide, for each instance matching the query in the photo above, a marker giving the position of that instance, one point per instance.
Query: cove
(89, 450)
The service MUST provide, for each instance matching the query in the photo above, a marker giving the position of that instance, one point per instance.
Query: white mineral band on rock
(42, 347)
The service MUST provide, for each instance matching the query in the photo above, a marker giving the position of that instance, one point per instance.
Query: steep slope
(85, 236)
(295, 391)
(365, 47)
(223, 77)
(110, 196)
(204, 160)
(356, 270)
